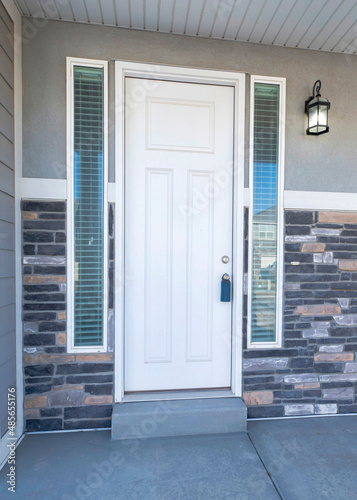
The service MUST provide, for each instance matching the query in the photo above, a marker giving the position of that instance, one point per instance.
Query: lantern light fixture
(316, 108)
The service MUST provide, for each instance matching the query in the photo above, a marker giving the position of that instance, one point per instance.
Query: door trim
(125, 69)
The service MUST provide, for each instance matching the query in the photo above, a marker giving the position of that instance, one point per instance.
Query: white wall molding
(43, 189)
(246, 197)
(56, 189)
(111, 192)
(52, 189)
(314, 200)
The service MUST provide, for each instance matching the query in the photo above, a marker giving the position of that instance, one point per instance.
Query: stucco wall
(325, 163)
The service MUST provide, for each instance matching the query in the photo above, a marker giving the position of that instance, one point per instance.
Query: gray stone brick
(51, 412)
(37, 339)
(346, 320)
(265, 411)
(300, 239)
(351, 367)
(51, 225)
(88, 412)
(299, 217)
(43, 206)
(320, 324)
(39, 370)
(52, 326)
(338, 377)
(38, 236)
(44, 424)
(29, 249)
(37, 388)
(315, 333)
(51, 249)
(94, 379)
(40, 288)
(321, 409)
(338, 393)
(44, 316)
(331, 348)
(328, 257)
(299, 409)
(292, 286)
(31, 327)
(53, 270)
(99, 389)
(265, 364)
(301, 378)
(321, 231)
(69, 397)
(87, 424)
(76, 368)
(45, 260)
(344, 303)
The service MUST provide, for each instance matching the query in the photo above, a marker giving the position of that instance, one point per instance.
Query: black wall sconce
(316, 108)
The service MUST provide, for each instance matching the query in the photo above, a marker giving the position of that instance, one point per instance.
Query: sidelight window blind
(88, 205)
(264, 217)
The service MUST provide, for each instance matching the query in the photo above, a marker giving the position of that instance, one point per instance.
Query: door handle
(225, 288)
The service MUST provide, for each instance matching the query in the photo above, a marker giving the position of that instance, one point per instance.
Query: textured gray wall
(7, 217)
(325, 163)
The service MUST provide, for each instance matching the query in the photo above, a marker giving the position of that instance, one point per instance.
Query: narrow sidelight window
(266, 173)
(88, 208)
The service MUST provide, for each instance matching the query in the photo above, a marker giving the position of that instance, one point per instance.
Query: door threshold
(177, 395)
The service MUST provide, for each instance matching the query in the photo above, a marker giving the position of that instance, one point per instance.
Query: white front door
(178, 226)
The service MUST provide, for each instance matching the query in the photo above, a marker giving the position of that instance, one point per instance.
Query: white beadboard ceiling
(327, 25)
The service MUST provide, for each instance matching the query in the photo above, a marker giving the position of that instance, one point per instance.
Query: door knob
(225, 259)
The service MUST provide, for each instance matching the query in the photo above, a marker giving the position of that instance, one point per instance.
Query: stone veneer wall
(315, 371)
(62, 391)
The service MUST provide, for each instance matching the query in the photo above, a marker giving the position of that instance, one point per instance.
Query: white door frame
(125, 69)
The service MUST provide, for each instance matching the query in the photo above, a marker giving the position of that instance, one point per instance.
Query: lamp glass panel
(313, 116)
(323, 116)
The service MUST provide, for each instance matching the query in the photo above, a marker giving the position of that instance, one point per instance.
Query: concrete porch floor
(313, 458)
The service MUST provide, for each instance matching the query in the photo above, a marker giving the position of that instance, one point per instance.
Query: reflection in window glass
(265, 215)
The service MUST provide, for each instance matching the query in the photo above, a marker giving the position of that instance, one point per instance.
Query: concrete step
(147, 419)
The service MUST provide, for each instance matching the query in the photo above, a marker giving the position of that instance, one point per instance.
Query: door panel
(178, 225)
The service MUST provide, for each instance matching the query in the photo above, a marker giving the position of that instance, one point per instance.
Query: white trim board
(17, 20)
(52, 189)
(56, 189)
(125, 69)
(43, 189)
(71, 62)
(316, 200)
(277, 343)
